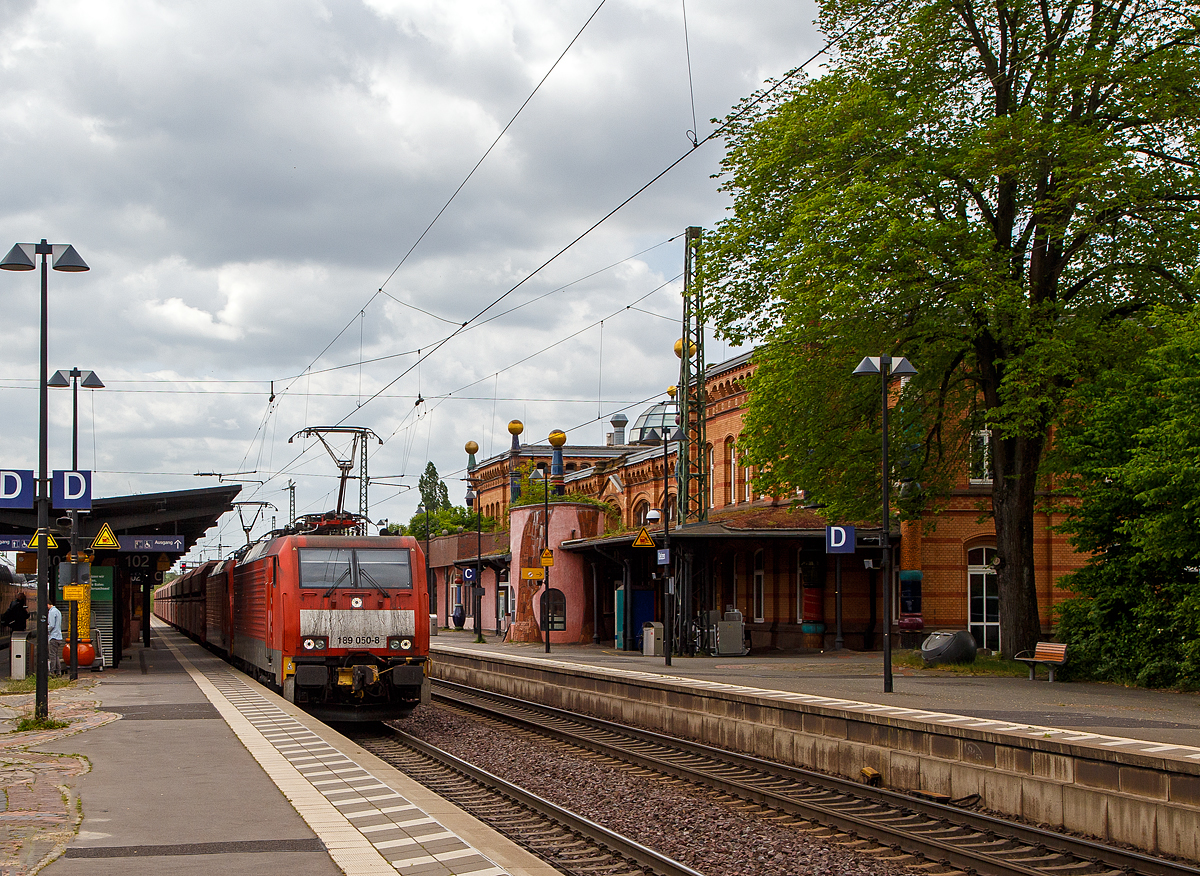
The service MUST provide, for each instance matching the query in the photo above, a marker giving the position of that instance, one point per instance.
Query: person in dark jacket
(16, 615)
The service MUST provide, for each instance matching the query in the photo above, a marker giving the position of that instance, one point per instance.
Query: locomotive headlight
(315, 643)
(399, 643)
(309, 644)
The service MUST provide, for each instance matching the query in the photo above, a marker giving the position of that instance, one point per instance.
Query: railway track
(572, 844)
(958, 838)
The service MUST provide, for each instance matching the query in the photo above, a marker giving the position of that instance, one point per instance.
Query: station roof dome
(654, 417)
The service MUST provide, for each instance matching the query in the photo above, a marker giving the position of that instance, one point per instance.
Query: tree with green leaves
(434, 494)
(451, 519)
(1130, 442)
(987, 189)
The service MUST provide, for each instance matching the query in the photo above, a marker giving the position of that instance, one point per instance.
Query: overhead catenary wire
(728, 122)
(466, 179)
(692, 134)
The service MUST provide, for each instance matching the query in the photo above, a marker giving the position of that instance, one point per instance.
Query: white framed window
(758, 588)
(747, 485)
(731, 473)
(981, 457)
(712, 481)
(799, 587)
(983, 598)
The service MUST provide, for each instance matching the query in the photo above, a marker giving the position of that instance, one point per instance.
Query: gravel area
(694, 827)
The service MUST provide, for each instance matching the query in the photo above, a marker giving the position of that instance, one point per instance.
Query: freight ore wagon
(339, 625)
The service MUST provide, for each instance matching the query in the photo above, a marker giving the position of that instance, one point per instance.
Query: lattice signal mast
(692, 472)
(345, 461)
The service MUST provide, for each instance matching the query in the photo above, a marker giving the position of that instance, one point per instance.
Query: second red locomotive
(339, 624)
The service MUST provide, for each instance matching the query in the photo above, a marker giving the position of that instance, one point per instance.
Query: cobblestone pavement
(39, 807)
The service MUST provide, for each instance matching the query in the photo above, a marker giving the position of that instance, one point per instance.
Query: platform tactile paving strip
(414, 843)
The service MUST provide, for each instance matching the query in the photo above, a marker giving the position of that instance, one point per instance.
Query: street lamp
(21, 258)
(545, 478)
(667, 438)
(886, 368)
(61, 380)
(477, 584)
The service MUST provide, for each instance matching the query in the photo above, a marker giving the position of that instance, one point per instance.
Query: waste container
(19, 646)
(652, 639)
(433, 625)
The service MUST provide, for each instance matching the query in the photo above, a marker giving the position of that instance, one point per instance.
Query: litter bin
(18, 644)
(652, 639)
(433, 625)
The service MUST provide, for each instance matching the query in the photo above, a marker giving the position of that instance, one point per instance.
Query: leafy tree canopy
(989, 190)
(449, 519)
(434, 494)
(533, 492)
(1131, 444)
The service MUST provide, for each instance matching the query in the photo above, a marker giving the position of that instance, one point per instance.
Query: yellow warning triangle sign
(644, 539)
(51, 544)
(105, 539)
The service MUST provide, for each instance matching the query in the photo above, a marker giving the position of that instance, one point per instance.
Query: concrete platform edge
(325, 819)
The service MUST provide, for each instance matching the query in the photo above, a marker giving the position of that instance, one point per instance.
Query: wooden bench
(1049, 654)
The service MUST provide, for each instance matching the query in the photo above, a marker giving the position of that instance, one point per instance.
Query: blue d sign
(16, 489)
(839, 539)
(71, 490)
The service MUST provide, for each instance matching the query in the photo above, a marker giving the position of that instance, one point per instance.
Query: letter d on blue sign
(71, 490)
(839, 539)
(16, 489)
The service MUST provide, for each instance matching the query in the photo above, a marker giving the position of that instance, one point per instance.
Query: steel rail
(867, 812)
(613, 842)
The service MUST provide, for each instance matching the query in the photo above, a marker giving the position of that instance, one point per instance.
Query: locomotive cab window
(329, 568)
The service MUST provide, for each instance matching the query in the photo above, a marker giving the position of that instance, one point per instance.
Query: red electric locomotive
(339, 624)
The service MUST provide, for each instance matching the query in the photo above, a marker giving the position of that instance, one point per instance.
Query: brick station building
(761, 556)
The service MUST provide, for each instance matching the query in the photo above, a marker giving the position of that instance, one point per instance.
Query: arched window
(556, 610)
(759, 599)
(672, 510)
(640, 512)
(731, 486)
(983, 598)
(712, 497)
(570, 466)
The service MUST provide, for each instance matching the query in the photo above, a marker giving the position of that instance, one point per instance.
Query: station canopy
(186, 513)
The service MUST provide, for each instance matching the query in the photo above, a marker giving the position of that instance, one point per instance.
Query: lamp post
(545, 476)
(886, 368)
(21, 258)
(61, 380)
(477, 584)
(669, 627)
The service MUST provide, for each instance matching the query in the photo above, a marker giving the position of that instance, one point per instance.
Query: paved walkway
(40, 809)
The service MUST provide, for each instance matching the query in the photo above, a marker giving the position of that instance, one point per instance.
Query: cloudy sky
(243, 179)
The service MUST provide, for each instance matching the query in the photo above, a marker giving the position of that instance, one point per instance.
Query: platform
(1119, 764)
(1108, 710)
(196, 768)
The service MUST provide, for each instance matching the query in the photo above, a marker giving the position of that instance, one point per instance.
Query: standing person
(16, 615)
(54, 635)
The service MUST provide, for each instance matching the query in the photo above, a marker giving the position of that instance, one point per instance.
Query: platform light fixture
(88, 380)
(22, 257)
(886, 367)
